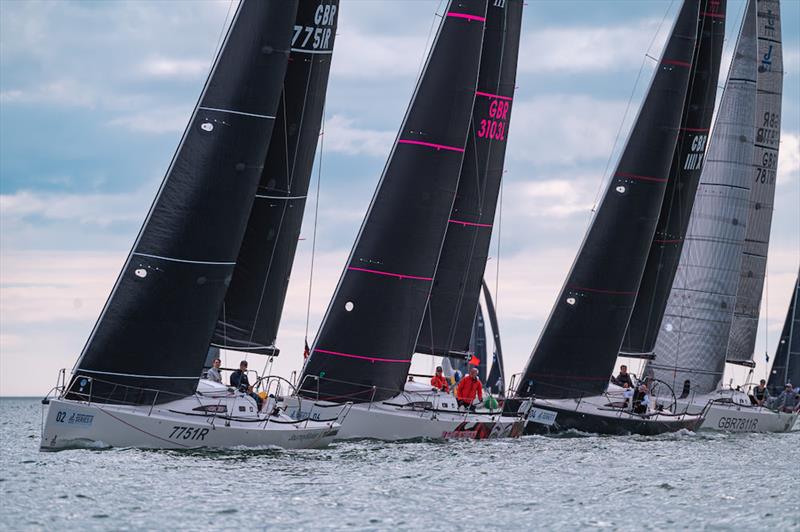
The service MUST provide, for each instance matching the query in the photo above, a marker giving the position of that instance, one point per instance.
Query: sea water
(676, 481)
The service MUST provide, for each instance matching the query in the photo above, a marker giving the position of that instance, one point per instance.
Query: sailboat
(451, 141)
(713, 306)
(568, 372)
(786, 364)
(137, 382)
(496, 380)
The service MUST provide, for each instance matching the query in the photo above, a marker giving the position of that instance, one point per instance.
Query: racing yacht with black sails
(137, 382)
(713, 307)
(453, 134)
(633, 233)
(786, 364)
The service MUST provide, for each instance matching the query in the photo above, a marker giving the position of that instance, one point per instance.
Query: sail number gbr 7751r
(316, 37)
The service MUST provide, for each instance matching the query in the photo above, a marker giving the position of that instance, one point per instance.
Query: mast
(578, 347)
(687, 162)
(156, 325)
(786, 365)
(769, 91)
(497, 375)
(693, 340)
(364, 346)
(249, 318)
(451, 310)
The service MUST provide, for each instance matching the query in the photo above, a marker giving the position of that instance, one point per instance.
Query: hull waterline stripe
(675, 62)
(135, 375)
(641, 177)
(495, 96)
(237, 112)
(371, 359)
(602, 291)
(473, 224)
(465, 16)
(304, 51)
(431, 145)
(389, 274)
(215, 263)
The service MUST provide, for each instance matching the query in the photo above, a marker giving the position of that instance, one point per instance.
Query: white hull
(736, 414)
(417, 413)
(180, 424)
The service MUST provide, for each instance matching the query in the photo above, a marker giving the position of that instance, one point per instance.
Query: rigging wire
(314, 232)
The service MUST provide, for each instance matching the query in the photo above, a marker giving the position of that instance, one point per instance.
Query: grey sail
(693, 339)
(769, 90)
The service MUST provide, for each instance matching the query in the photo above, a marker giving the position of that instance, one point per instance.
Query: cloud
(165, 119)
(64, 92)
(341, 136)
(789, 159)
(89, 209)
(162, 67)
(580, 49)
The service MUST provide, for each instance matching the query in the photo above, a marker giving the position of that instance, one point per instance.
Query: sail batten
(376, 312)
(158, 320)
(577, 349)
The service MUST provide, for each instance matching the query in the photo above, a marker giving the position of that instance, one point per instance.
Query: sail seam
(301, 50)
(467, 17)
(473, 224)
(389, 274)
(431, 145)
(491, 95)
(262, 196)
(218, 263)
(237, 112)
(360, 357)
(135, 375)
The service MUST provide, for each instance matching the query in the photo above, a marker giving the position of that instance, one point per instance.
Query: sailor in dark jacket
(240, 381)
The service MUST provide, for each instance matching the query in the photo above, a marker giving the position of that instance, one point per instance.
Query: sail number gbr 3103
(494, 127)
(318, 36)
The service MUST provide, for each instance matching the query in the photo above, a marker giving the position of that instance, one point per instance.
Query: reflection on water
(571, 481)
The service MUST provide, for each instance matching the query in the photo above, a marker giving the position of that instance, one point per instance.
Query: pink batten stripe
(642, 177)
(713, 15)
(494, 96)
(431, 145)
(468, 17)
(667, 241)
(389, 274)
(459, 222)
(694, 129)
(602, 291)
(359, 357)
(676, 63)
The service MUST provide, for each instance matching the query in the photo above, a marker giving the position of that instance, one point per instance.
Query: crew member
(468, 388)
(439, 382)
(786, 400)
(623, 377)
(240, 381)
(760, 394)
(213, 373)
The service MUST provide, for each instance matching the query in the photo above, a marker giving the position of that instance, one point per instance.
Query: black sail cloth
(364, 346)
(449, 317)
(684, 177)
(249, 318)
(786, 366)
(578, 347)
(496, 381)
(156, 326)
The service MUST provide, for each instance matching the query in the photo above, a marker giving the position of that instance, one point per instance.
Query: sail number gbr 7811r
(316, 37)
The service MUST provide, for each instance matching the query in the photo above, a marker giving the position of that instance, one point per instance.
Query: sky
(94, 97)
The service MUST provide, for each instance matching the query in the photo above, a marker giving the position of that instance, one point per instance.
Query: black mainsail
(451, 310)
(687, 164)
(249, 318)
(578, 347)
(156, 326)
(786, 365)
(364, 346)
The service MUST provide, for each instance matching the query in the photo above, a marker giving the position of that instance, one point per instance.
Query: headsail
(692, 342)
(156, 326)
(249, 318)
(687, 162)
(578, 347)
(456, 287)
(769, 91)
(364, 346)
(786, 366)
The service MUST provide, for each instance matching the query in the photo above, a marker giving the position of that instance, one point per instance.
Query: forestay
(156, 326)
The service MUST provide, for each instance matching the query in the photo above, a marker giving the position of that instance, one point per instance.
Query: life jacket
(440, 383)
(468, 388)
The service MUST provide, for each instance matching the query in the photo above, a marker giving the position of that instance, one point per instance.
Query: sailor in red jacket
(439, 382)
(468, 388)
